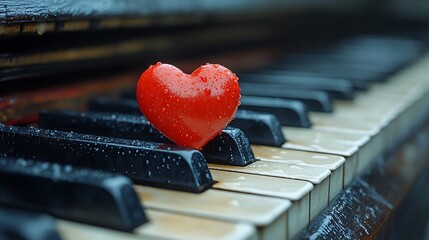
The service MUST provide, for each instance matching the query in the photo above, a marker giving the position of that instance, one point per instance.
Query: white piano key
(72, 230)
(327, 122)
(174, 226)
(316, 175)
(262, 185)
(346, 145)
(268, 214)
(328, 161)
(336, 182)
(371, 143)
(332, 162)
(163, 226)
(312, 174)
(298, 216)
(318, 199)
(295, 190)
(322, 142)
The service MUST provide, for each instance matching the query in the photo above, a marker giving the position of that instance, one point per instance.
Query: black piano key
(332, 70)
(260, 128)
(322, 76)
(340, 61)
(314, 100)
(336, 88)
(386, 52)
(231, 147)
(81, 195)
(246, 124)
(289, 112)
(25, 225)
(106, 124)
(363, 58)
(155, 164)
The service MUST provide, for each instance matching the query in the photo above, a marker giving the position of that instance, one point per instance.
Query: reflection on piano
(330, 140)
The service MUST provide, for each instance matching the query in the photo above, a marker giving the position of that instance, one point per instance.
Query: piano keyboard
(249, 188)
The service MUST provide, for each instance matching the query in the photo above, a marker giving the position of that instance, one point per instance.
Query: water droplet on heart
(204, 79)
(207, 91)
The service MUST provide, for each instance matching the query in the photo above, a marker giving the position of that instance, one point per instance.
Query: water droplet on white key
(295, 167)
(234, 203)
(319, 157)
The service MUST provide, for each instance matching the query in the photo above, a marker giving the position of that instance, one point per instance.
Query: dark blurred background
(46, 38)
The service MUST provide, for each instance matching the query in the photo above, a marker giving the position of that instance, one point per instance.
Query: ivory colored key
(386, 106)
(319, 196)
(380, 141)
(323, 142)
(328, 161)
(332, 162)
(312, 174)
(391, 129)
(336, 143)
(164, 226)
(295, 190)
(375, 115)
(262, 185)
(327, 122)
(174, 226)
(354, 126)
(345, 145)
(72, 230)
(268, 214)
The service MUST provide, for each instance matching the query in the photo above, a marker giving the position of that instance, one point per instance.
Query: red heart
(188, 109)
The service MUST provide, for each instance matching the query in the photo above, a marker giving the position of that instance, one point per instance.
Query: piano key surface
(343, 138)
(83, 195)
(164, 226)
(19, 224)
(268, 214)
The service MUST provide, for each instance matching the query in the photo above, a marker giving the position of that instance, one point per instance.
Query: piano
(330, 140)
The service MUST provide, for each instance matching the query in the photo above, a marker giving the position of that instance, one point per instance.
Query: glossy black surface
(81, 195)
(357, 84)
(314, 100)
(289, 112)
(156, 164)
(356, 74)
(231, 147)
(260, 128)
(263, 130)
(267, 126)
(25, 225)
(336, 88)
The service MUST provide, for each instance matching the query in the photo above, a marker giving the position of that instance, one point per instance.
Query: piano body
(330, 140)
